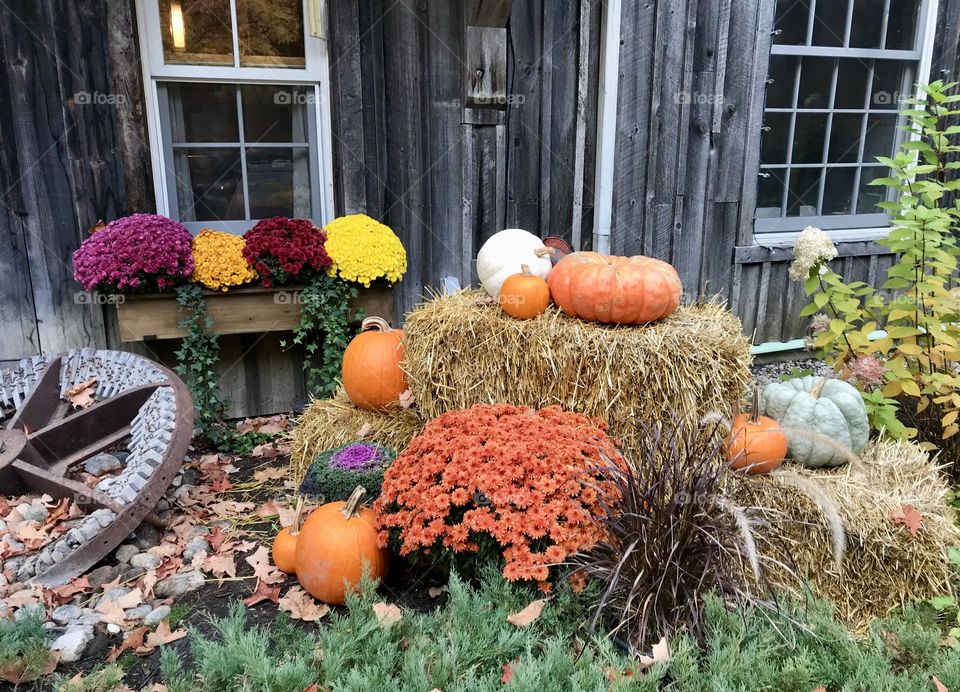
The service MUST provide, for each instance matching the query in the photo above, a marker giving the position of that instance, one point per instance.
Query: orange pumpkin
(285, 543)
(524, 295)
(371, 370)
(335, 544)
(757, 444)
(614, 290)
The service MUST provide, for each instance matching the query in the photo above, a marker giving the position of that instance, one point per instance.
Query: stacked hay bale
(461, 350)
(813, 517)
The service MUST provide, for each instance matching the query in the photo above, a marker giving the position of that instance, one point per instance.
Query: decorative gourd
(285, 544)
(831, 408)
(757, 444)
(524, 295)
(614, 290)
(372, 374)
(505, 252)
(336, 542)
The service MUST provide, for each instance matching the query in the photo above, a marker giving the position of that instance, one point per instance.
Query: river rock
(178, 584)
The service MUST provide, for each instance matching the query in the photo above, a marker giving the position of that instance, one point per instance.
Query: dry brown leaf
(388, 614)
(263, 592)
(939, 685)
(220, 565)
(23, 597)
(407, 399)
(271, 473)
(267, 450)
(302, 606)
(15, 673)
(263, 568)
(81, 395)
(162, 635)
(111, 614)
(507, 676)
(528, 614)
(133, 641)
(661, 654)
(819, 688)
(312, 687)
(229, 507)
(435, 591)
(364, 430)
(909, 517)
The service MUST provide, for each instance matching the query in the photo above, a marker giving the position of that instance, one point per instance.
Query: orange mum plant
(503, 482)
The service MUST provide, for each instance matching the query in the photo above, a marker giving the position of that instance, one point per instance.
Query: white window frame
(314, 75)
(926, 35)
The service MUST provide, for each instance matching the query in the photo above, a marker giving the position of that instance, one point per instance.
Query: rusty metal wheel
(138, 403)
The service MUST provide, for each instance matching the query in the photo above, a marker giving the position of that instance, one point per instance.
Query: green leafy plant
(323, 330)
(916, 392)
(795, 373)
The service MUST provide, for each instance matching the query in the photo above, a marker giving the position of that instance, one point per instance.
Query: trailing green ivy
(323, 331)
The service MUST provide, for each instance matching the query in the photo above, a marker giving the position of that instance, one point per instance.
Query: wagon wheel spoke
(42, 405)
(75, 438)
(59, 487)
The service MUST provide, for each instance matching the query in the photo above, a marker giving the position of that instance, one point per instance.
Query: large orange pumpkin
(757, 444)
(524, 295)
(336, 542)
(371, 370)
(614, 290)
(285, 543)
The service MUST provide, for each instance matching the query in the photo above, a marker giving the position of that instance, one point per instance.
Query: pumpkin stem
(375, 323)
(295, 527)
(815, 392)
(525, 270)
(755, 408)
(543, 251)
(353, 504)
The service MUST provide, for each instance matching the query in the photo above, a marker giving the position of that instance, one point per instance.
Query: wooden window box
(238, 311)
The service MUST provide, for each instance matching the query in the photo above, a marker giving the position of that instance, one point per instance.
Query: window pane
(209, 184)
(271, 33)
(196, 32)
(773, 146)
(804, 186)
(889, 79)
(275, 113)
(838, 191)
(808, 137)
(830, 22)
(279, 182)
(783, 72)
(791, 21)
(865, 32)
(851, 83)
(845, 137)
(770, 193)
(202, 112)
(881, 137)
(871, 195)
(902, 25)
(815, 77)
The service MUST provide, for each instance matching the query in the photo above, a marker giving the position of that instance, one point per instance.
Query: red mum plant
(505, 481)
(285, 250)
(135, 254)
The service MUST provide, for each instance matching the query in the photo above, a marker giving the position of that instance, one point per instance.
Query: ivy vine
(323, 331)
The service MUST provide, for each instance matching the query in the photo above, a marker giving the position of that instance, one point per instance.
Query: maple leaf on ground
(263, 592)
(301, 605)
(909, 517)
(221, 485)
(528, 614)
(436, 591)
(23, 597)
(81, 395)
(260, 561)
(216, 538)
(284, 513)
(364, 430)
(661, 654)
(15, 671)
(160, 636)
(507, 675)
(388, 614)
(133, 641)
(111, 614)
(71, 589)
(407, 399)
(270, 473)
(229, 507)
(220, 565)
(268, 450)
(939, 685)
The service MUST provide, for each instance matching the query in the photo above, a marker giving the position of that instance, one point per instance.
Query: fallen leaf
(661, 654)
(222, 485)
(162, 635)
(133, 641)
(485, 299)
(271, 473)
(435, 591)
(216, 537)
(81, 395)
(263, 592)
(220, 565)
(364, 430)
(388, 614)
(528, 614)
(909, 517)
(16, 674)
(267, 450)
(819, 688)
(407, 399)
(936, 681)
(507, 676)
(311, 688)
(301, 605)
(23, 597)
(263, 568)
(111, 614)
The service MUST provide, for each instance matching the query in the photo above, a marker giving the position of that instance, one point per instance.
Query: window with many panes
(839, 70)
(235, 89)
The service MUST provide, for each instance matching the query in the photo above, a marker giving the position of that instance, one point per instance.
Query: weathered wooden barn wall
(410, 151)
(687, 153)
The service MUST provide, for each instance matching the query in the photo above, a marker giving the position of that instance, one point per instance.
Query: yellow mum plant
(363, 250)
(218, 261)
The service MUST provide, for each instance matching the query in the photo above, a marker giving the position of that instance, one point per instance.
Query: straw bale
(813, 516)
(461, 352)
(328, 423)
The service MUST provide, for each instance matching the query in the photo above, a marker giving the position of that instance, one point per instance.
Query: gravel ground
(772, 372)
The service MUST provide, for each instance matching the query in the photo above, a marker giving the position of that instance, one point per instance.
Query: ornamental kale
(336, 472)
(140, 253)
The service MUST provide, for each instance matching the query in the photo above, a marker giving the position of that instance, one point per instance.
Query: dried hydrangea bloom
(819, 323)
(867, 371)
(812, 247)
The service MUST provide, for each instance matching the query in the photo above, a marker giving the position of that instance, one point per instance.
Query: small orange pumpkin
(372, 374)
(757, 444)
(336, 542)
(524, 295)
(285, 544)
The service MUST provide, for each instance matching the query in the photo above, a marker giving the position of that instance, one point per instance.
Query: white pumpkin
(505, 253)
(832, 408)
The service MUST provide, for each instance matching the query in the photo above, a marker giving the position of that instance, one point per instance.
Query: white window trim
(315, 75)
(928, 20)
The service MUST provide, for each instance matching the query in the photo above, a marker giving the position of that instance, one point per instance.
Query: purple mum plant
(140, 253)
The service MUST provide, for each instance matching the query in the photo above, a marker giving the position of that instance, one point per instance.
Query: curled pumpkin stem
(376, 324)
(295, 527)
(353, 503)
(543, 251)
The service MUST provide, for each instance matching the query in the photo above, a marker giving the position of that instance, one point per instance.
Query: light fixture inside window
(176, 27)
